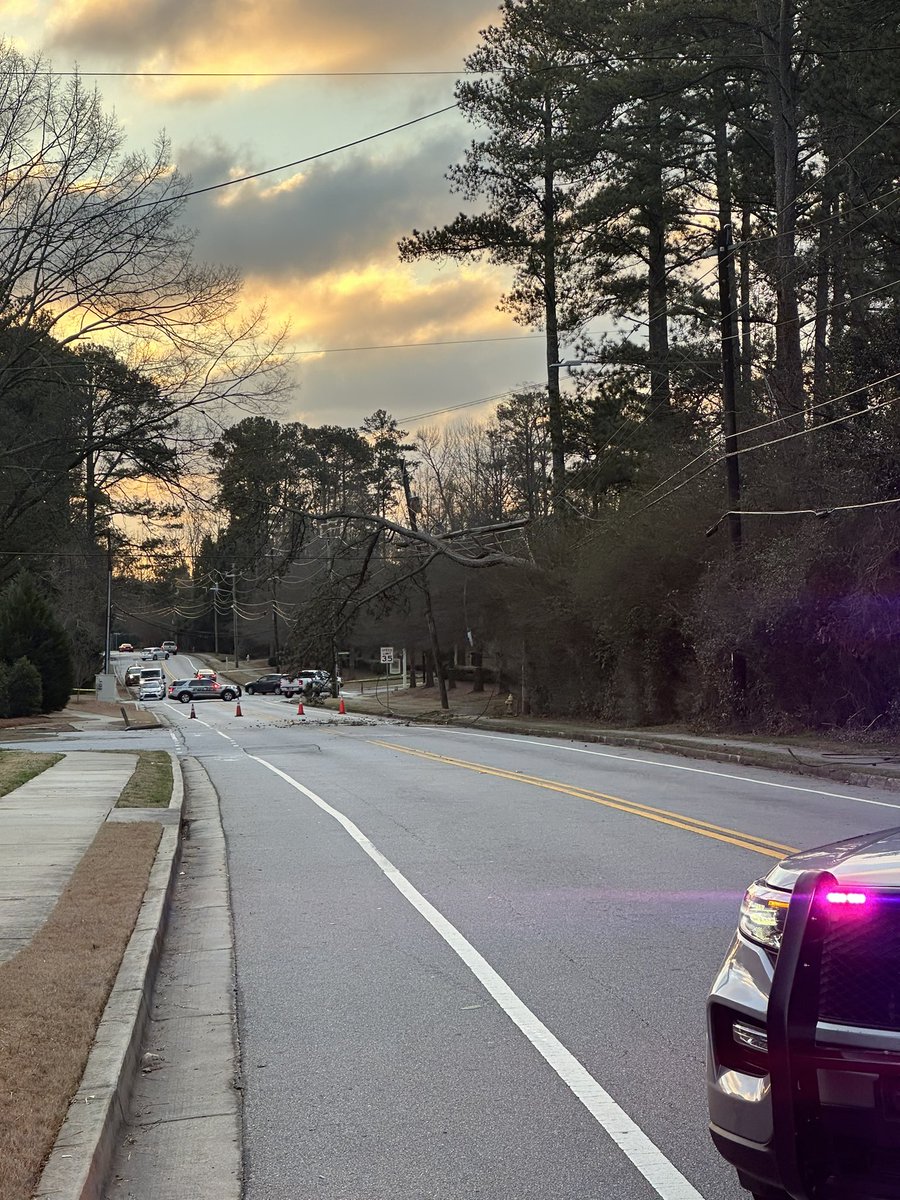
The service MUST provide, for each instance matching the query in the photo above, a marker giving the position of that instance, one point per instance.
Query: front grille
(860, 982)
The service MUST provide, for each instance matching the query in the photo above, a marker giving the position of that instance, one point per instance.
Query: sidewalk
(859, 764)
(46, 825)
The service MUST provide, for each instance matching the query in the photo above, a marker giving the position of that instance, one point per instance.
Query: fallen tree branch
(438, 542)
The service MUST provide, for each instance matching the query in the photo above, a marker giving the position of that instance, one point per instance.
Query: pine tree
(29, 629)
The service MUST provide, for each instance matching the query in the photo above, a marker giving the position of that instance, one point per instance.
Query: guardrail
(378, 683)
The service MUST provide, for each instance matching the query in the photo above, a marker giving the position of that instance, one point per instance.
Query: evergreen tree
(30, 629)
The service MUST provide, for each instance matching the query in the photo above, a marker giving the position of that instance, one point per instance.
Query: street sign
(387, 654)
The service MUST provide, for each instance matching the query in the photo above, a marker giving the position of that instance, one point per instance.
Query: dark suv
(264, 685)
(204, 689)
(804, 1028)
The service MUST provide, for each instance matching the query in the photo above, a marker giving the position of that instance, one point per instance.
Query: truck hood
(871, 860)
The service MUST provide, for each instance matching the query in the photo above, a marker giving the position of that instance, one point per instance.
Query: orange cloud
(269, 35)
(385, 304)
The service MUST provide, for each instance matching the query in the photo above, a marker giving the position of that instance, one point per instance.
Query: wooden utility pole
(234, 611)
(426, 594)
(729, 336)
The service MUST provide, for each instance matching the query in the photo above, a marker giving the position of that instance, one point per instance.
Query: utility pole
(276, 653)
(426, 594)
(109, 570)
(215, 591)
(728, 327)
(234, 613)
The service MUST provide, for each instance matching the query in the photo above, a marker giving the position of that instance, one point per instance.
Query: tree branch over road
(480, 557)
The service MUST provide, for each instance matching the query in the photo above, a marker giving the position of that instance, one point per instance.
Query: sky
(317, 243)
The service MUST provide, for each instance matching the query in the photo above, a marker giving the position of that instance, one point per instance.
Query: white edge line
(665, 1179)
(649, 762)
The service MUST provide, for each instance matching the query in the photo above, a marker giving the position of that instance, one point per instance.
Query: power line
(825, 511)
(462, 72)
(528, 337)
(785, 438)
(261, 74)
(769, 424)
(434, 412)
(844, 157)
(214, 187)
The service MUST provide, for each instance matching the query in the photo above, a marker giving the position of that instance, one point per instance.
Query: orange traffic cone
(342, 707)
(237, 711)
(300, 712)
(193, 714)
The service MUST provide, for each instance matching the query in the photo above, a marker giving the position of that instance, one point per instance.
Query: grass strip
(52, 995)
(18, 766)
(150, 785)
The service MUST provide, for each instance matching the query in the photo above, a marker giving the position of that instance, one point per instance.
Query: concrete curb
(79, 1163)
(788, 763)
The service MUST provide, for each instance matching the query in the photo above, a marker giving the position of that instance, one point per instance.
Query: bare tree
(91, 248)
(92, 253)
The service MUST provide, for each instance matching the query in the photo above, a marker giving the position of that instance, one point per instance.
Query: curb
(789, 763)
(85, 1146)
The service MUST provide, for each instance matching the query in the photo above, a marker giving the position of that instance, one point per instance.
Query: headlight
(763, 914)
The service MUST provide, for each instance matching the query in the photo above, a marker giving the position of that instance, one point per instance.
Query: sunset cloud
(316, 243)
(384, 305)
(266, 35)
(343, 213)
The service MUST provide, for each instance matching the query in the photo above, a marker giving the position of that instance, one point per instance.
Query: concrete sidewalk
(46, 825)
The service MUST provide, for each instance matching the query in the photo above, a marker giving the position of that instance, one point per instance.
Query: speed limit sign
(387, 654)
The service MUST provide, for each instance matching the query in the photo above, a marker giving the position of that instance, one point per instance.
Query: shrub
(29, 629)
(22, 688)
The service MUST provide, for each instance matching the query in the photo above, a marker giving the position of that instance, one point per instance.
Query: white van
(151, 673)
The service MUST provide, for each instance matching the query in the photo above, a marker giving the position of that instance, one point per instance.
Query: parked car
(132, 675)
(265, 685)
(152, 689)
(206, 689)
(126, 648)
(803, 1027)
(205, 673)
(170, 647)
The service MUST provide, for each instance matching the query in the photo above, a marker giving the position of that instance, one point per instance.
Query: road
(476, 965)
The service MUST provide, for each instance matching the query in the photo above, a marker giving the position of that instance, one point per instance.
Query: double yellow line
(719, 833)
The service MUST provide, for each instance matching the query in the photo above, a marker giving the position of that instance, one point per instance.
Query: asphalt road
(475, 965)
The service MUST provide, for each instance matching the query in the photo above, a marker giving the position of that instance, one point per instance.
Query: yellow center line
(719, 833)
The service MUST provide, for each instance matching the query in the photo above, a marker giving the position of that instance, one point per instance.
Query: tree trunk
(525, 705)
(411, 659)
(478, 663)
(427, 669)
(657, 289)
(776, 20)
(426, 595)
(554, 398)
(723, 191)
(820, 320)
(746, 327)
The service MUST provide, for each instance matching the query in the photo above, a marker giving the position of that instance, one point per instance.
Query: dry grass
(90, 704)
(140, 718)
(52, 995)
(150, 786)
(18, 766)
